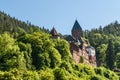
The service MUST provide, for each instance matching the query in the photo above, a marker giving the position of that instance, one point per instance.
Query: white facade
(90, 50)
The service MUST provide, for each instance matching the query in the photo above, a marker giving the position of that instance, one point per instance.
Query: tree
(26, 50)
(10, 56)
(101, 54)
(63, 47)
(110, 55)
(118, 60)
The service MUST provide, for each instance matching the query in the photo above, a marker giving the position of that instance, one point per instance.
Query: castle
(81, 52)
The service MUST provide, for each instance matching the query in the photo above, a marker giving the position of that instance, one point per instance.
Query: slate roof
(70, 38)
(54, 32)
(76, 26)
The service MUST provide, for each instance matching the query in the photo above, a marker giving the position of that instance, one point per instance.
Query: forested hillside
(112, 28)
(13, 25)
(33, 55)
(106, 40)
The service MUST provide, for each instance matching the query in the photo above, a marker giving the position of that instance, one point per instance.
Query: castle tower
(54, 34)
(77, 32)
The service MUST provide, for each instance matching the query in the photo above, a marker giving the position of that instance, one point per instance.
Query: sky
(62, 13)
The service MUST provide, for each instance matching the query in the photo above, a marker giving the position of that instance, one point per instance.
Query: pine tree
(110, 55)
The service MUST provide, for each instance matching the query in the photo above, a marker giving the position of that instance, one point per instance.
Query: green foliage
(44, 53)
(37, 57)
(30, 75)
(27, 53)
(106, 73)
(63, 47)
(110, 55)
(118, 60)
(17, 27)
(81, 59)
(101, 54)
(99, 38)
(97, 77)
(13, 74)
(46, 74)
(55, 57)
(9, 53)
(60, 74)
(26, 50)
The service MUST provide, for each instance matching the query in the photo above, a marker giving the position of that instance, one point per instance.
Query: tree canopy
(28, 53)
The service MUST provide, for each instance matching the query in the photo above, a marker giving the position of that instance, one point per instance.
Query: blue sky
(62, 13)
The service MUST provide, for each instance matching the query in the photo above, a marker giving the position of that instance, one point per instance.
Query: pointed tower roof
(54, 32)
(76, 26)
(76, 31)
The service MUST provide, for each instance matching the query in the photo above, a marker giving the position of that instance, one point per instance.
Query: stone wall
(77, 53)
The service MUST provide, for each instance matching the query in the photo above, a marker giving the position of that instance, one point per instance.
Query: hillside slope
(13, 25)
(106, 40)
(35, 56)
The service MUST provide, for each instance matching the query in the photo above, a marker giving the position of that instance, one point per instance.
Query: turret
(77, 32)
(54, 34)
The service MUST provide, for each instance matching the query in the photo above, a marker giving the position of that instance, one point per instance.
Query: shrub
(46, 74)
